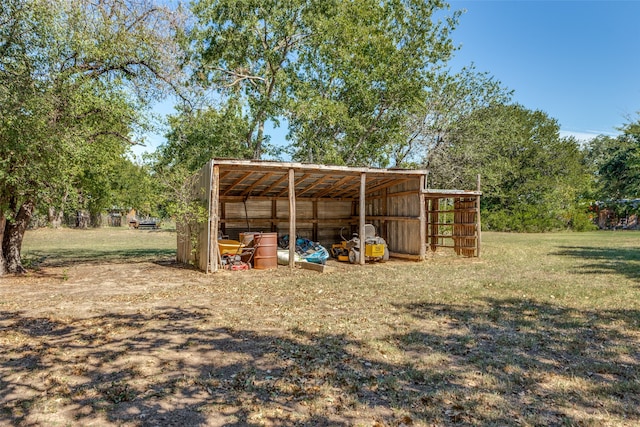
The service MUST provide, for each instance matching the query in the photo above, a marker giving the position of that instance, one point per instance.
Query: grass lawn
(543, 329)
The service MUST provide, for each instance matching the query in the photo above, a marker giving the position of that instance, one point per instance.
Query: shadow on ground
(69, 257)
(597, 260)
(507, 362)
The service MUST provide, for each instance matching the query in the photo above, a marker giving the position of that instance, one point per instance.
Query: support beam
(384, 225)
(314, 231)
(386, 184)
(223, 215)
(236, 182)
(213, 218)
(433, 238)
(292, 218)
(258, 181)
(274, 215)
(275, 184)
(363, 206)
(283, 192)
(423, 219)
(335, 186)
(314, 185)
(346, 189)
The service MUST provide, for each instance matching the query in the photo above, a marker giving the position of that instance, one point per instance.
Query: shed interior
(327, 201)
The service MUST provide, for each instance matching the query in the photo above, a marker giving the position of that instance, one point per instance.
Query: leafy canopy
(532, 179)
(345, 74)
(616, 164)
(76, 79)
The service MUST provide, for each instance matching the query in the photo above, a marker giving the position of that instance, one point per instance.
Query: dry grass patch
(543, 330)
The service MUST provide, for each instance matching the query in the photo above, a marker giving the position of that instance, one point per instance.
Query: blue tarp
(308, 250)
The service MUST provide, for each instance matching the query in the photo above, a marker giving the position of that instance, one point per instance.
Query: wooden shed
(318, 201)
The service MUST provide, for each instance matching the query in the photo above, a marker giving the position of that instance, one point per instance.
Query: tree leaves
(344, 74)
(75, 79)
(531, 178)
(245, 49)
(366, 67)
(616, 164)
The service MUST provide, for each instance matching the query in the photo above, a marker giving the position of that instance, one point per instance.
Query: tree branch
(125, 138)
(239, 77)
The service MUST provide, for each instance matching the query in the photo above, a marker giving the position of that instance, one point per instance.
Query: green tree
(450, 98)
(365, 67)
(134, 185)
(196, 136)
(245, 49)
(345, 74)
(119, 182)
(616, 163)
(532, 179)
(75, 79)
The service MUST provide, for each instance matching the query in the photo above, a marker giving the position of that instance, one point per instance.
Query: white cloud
(584, 136)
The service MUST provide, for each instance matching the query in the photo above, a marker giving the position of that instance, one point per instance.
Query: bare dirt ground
(156, 343)
(536, 337)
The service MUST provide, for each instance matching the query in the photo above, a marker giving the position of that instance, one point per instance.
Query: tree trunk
(12, 239)
(95, 219)
(55, 217)
(257, 153)
(82, 219)
(3, 262)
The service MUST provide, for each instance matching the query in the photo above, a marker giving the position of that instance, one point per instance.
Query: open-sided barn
(317, 201)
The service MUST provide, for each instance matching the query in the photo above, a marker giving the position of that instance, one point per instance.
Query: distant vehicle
(145, 224)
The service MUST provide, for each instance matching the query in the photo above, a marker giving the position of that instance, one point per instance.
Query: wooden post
(423, 219)
(292, 218)
(435, 216)
(274, 215)
(363, 206)
(213, 218)
(314, 232)
(223, 216)
(478, 223)
(383, 230)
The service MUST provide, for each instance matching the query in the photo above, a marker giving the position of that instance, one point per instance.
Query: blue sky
(578, 61)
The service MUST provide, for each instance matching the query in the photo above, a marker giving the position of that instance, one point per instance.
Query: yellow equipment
(231, 247)
(375, 248)
(340, 251)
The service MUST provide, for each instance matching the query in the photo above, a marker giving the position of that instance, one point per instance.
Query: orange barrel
(266, 253)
